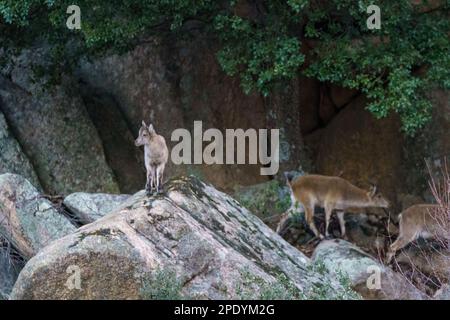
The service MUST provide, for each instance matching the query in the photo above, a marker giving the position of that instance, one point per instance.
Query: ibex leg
(159, 176)
(309, 215)
(340, 215)
(328, 211)
(148, 184)
(398, 244)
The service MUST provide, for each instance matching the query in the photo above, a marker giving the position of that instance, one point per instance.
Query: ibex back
(331, 193)
(155, 156)
(420, 220)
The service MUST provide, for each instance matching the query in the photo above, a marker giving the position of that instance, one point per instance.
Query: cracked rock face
(88, 207)
(27, 220)
(12, 158)
(54, 130)
(200, 235)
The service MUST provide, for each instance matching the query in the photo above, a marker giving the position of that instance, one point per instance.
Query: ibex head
(292, 175)
(377, 198)
(145, 133)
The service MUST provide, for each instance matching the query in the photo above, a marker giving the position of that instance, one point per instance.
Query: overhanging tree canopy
(264, 41)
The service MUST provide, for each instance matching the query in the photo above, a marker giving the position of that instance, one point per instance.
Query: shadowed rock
(27, 220)
(54, 129)
(8, 274)
(12, 158)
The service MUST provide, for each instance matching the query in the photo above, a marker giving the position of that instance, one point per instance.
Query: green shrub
(253, 287)
(325, 290)
(265, 49)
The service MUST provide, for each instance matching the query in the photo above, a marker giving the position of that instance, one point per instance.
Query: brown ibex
(155, 156)
(331, 193)
(420, 220)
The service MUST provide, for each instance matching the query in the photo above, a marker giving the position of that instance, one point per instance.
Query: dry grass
(13, 262)
(426, 262)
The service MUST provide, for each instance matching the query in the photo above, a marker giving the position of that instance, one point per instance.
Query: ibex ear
(151, 129)
(143, 124)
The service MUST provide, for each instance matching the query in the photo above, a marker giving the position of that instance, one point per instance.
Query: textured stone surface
(12, 158)
(309, 105)
(125, 160)
(8, 274)
(327, 109)
(443, 293)
(340, 256)
(54, 129)
(27, 220)
(202, 235)
(341, 96)
(88, 207)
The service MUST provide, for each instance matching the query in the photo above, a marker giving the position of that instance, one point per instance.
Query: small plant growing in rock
(281, 289)
(266, 199)
(284, 289)
(326, 291)
(162, 285)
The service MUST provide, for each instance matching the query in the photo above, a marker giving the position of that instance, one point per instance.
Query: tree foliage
(266, 42)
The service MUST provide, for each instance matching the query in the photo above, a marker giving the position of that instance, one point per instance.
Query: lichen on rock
(203, 237)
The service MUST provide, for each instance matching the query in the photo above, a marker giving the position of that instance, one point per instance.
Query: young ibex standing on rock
(155, 156)
(420, 220)
(331, 193)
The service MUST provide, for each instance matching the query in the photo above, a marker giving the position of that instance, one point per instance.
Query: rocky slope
(192, 241)
(200, 240)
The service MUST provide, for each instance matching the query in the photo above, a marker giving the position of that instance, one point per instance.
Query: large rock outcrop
(193, 238)
(27, 220)
(125, 160)
(367, 276)
(54, 129)
(428, 151)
